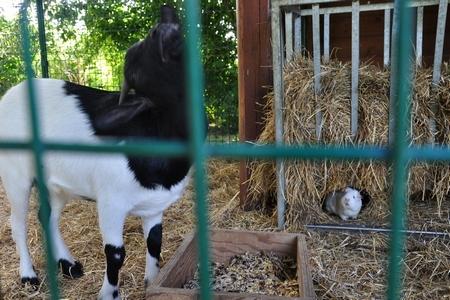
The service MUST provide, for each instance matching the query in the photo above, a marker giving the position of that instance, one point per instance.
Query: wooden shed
(255, 59)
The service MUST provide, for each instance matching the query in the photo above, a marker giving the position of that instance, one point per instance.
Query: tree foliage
(114, 25)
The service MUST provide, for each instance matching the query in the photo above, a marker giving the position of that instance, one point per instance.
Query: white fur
(346, 204)
(103, 177)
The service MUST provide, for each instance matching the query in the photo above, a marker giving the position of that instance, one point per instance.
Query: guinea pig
(345, 203)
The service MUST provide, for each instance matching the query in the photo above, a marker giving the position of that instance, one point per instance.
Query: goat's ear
(124, 91)
(168, 14)
(117, 116)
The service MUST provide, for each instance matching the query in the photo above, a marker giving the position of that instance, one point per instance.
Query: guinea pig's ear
(168, 15)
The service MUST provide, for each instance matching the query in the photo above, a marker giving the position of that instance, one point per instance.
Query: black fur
(71, 270)
(154, 240)
(34, 281)
(152, 122)
(115, 294)
(113, 263)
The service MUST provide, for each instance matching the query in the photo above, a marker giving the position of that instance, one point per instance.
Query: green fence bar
(38, 151)
(401, 106)
(194, 76)
(42, 39)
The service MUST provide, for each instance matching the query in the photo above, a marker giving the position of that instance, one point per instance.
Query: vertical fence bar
(42, 39)
(38, 152)
(298, 34)
(394, 76)
(400, 145)
(326, 37)
(439, 45)
(288, 22)
(387, 37)
(316, 59)
(194, 72)
(419, 36)
(355, 66)
(278, 88)
(438, 49)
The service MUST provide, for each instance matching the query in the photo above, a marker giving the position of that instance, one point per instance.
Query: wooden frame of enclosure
(224, 245)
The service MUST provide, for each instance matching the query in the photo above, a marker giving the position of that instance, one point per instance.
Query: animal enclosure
(400, 154)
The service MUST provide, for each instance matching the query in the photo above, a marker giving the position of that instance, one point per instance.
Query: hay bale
(309, 182)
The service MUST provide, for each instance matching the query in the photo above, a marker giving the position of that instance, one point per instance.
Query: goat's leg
(153, 234)
(18, 192)
(68, 265)
(111, 221)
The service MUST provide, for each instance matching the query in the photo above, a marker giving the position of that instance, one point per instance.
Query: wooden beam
(255, 73)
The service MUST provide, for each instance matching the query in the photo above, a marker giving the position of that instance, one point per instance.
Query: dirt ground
(343, 266)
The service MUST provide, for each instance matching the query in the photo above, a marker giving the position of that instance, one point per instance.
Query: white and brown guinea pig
(344, 203)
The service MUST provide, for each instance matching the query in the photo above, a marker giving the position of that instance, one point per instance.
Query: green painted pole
(401, 141)
(42, 38)
(38, 151)
(194, 76)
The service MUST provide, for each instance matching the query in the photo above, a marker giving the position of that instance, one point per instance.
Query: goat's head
(161, 50)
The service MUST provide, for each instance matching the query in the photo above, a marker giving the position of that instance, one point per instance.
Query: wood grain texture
(180, 294)
(306, 287)
(180, 267)
(224, 245)
(254, 73)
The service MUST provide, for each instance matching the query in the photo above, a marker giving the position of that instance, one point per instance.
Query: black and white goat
(120, 184)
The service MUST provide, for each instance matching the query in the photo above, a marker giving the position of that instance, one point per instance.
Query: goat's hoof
(33, 281)
(71, 270)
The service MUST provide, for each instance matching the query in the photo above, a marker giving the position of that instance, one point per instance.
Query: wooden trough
(224, 245)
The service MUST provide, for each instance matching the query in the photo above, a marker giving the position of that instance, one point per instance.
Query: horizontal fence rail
(398, 152)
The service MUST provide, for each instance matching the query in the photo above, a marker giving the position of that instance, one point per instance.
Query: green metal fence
(399, 154)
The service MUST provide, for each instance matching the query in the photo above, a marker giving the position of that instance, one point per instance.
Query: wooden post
(255, 73)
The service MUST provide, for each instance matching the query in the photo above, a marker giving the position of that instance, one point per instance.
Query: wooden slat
(393, 74)
(249, 241)
(306, 287)
(278, 90)
(298, 35)
(316, 60)
(178, 294)
(387, 37)
(439, 45)
(289, 35)
(355, 67)
(174, 273)
(254, 74)
(419, 36)
(326, 38)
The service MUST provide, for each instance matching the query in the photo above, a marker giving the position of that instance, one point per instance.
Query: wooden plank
(419, 36)
(306, 287)
(250, 241)
(439, 45)
(254, 75)
(355, 67)
(278, 90)
(387, 37)
(298, 35)
(180, 267)
(289, 36)
(326, 38)
(316, 60)
(181, 294)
